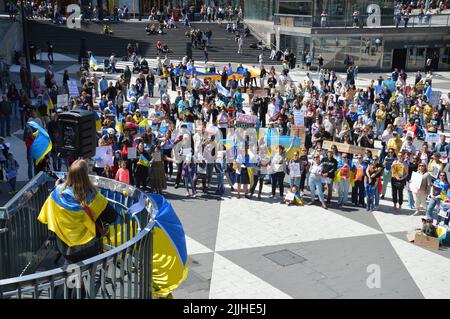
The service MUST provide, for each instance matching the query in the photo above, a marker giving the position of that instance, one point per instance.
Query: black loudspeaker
(77, 136)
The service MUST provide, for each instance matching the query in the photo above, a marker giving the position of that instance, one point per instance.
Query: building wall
(365, 52)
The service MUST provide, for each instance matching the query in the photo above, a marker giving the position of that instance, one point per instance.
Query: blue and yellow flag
(143, 126)
(65, 217)
(119, 125)
(143, 161)
(98, 122)
(93, 62)
(170, 266)
(42, 143)
(47, 100)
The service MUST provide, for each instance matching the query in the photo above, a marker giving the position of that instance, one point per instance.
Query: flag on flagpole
(42, 144)
(119, 124)
(93, 62)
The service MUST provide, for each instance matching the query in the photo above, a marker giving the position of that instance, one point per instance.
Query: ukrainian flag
(143, 161)
(65, 217)
(42, 143)
(119, 124)
(93, 62)
(143, 126)
(47, 100)
(98, 122)
(170, 267)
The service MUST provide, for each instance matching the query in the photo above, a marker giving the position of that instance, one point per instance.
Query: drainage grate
(285, 258)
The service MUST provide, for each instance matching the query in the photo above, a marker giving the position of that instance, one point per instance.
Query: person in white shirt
(144, 102)
(240, 44)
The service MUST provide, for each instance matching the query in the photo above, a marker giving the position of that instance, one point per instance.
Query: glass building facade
(298, 26)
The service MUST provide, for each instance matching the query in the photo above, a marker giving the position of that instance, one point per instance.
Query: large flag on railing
(170, 267)
(42, 143)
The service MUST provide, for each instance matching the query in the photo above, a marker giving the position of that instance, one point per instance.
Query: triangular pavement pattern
(434, 281)
(199, 216)
(391, 223)
(230, 281)
(248, 224)
(359, 215)
(333, 268)
(194, 247)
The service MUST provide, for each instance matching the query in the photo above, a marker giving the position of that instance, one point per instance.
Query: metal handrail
(129, 259)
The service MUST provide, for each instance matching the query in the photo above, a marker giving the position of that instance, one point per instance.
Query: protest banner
(62, 100)
(103, 156)
(416, 181)
(432, 138)
(132, 152)
(346, 148)
(435, 97)
(246, 121)
(300, 132)
(73, 88)
(260, 93)
(299, 117)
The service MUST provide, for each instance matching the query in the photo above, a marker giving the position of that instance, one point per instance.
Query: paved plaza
(241, 248)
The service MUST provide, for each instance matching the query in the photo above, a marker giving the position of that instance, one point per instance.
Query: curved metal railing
(123, 270)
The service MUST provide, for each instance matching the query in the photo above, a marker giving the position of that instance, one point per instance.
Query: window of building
(295, 7)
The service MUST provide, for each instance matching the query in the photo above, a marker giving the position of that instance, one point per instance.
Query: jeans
(5, 125)
(295, 181)
(220, 184)
(315, 187)
(432, 204)
(370, 193)
(410, 199)
(188, 181)
(15, 108)
(386, 180)
(380, 128)
(344, 185)
(209, 173)
(30, 167)
(12, 183)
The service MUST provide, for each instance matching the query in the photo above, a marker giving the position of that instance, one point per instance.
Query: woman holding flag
(142, 167)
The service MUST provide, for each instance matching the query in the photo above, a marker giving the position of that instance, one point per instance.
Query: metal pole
(26, 44)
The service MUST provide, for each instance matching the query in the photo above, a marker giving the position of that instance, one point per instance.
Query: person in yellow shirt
(137, 118)
(380, 116)
(395, 143)
(427, 113)
(415, 110)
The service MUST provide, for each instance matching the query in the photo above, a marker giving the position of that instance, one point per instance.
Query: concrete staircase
(67, 41)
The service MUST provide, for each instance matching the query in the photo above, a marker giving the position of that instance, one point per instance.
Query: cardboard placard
(73, 88)
(425, 241)
(300, 132)
(132, 152)
(62, 100)
(260, 93)
(432, 138)
(435, 97)
(346, 148)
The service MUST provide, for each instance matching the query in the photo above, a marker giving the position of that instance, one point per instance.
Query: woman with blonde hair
(75, 213)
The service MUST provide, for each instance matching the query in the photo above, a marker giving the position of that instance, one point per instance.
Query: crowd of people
(189, 136)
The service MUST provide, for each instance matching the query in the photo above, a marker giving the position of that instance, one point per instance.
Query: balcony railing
(124, 270)
(364, 21)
